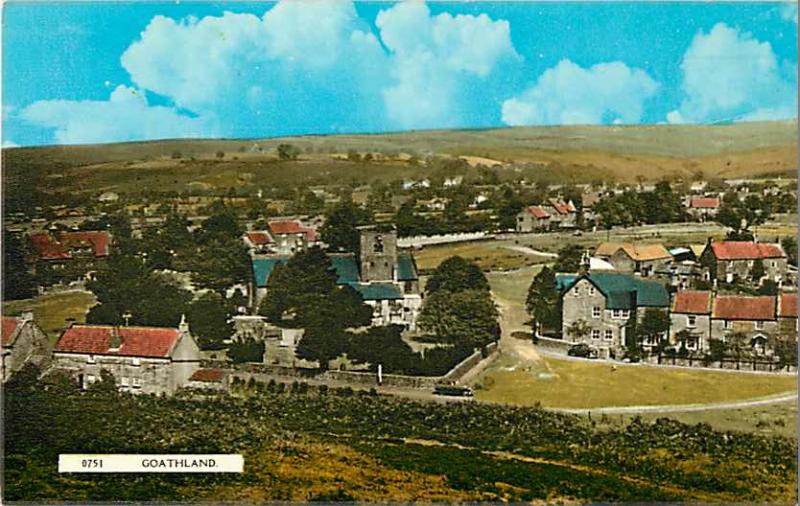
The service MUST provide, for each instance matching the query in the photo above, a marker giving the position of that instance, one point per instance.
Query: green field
(51, 311)
(562, 383)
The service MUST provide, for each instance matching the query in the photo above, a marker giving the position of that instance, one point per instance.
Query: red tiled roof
(537, 212)
(50, 248)
(292, 227)
(744, 250)
(787, 305)
(740, 307)
(561, 207)
(208, 375)
(98, 239)
(692, 302)
(704, 202)
(136, 341)
(259, 238)
(8, 329)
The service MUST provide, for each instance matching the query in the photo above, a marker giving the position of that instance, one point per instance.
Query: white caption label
(155, 463)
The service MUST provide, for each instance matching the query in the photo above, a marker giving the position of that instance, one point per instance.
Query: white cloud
(570, 94)
(304, 66)
(8, 143)
(728, 75)
(433, 58)
(125, 116)
(788, 11)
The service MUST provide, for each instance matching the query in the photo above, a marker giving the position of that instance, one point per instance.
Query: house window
(591, 290)
(728, 324)
(90, 379)
(125, 381)
(136, 362)
(691, 321)
(595, 334)
(626, 313)
(760, 325)
(617, 313)
(137, 382)
(596, 312)
(609, 335)
(90, 360)
(692, 342)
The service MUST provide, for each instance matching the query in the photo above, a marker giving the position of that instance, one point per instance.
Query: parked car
(582, 350)
(455, 391)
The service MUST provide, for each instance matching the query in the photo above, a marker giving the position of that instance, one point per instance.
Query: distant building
(703, 208)
(64, 246)
(291, 236)
(602, 303)
(149, 360)
(643, 259)
(258, 241)
(23, 343)
(562, 214)
(533, 219)
(108, 197)
(730, 260)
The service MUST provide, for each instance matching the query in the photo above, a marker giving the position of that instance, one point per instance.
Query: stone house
(703, 208)
(533, 218)
(729, 260)
(147, 360)
(706, 315)
(643, 259)
(24, 342)
(562, 214)
(691, 314)
(601, 305)
(258, 241)
(753, 316)
(64, 246)
(290, 236)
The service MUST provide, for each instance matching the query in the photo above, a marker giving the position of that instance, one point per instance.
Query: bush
(248, 350)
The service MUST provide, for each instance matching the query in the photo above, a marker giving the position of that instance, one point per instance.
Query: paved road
(684, 408)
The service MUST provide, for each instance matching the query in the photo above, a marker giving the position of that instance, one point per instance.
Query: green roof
(344, 265)
(346, 268)
(378, 291)
(406, 268)
(262, 268)
(622, 291)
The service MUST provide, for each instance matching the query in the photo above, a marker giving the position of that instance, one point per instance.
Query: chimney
(585, 264)
(116, 340)
(183, 326)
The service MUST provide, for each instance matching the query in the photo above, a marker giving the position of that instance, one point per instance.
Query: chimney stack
(116, 340)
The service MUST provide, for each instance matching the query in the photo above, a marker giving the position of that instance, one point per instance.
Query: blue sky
(85, 73)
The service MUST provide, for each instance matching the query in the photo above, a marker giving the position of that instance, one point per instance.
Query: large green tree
(340, 230)
(569, 258)
(127, 286)
(742, 215)
(467, 317)
(208, 320)
(455, 274)
(543, 299)
(18, 283)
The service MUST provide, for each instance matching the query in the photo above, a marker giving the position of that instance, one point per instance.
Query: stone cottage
(532, 219)
(23, 343)
(729, 260)
(643, 259)
(148, 360)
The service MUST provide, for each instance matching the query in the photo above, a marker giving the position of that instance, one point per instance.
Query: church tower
(378, 253)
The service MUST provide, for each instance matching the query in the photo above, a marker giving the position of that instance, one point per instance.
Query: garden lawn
(565, 383)
(51, 311)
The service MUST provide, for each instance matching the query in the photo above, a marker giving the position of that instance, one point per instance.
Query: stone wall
(726, 364)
